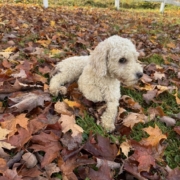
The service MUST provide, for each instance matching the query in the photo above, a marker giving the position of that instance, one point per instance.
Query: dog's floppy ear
(99, 57)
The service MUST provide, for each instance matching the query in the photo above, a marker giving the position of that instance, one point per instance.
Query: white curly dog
(114, 60)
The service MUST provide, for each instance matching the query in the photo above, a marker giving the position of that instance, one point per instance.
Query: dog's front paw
(107, 123)
(108, 127)
(55, 91)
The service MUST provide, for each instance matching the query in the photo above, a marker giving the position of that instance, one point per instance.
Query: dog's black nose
(139, 75)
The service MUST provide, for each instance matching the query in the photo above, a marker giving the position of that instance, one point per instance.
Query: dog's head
(117, 57)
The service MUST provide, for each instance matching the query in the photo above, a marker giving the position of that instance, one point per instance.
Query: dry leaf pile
(40, 139)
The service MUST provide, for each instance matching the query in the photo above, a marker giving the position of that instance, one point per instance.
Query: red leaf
(177, 129)
(101, 148)
(49, 143)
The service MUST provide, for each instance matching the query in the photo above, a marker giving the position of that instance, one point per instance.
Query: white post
(45, 3)
(117, 4)
(162, 6)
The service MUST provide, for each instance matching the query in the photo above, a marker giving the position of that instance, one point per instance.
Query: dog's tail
(66, 71)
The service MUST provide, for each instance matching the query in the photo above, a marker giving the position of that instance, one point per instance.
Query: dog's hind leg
(66, 71)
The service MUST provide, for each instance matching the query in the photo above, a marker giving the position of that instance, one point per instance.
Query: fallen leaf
(168, 120)
(62, 108)
(6, 145)
(12, 174)
(158, 75)
(4, 133)
(171, 45)
(72, 103)
(134, 118)
(69, 123)
(51, 168)
(6, 55)
(177, 129)
(33, 173)
(102, 173)
(67, 167)
(6, 64)
(173, 174)
(44, 43)
(125, 147)
(143, 155)
(29, 101)
(132, 168)
(21, 137)
(162, 89)
(153, 112)
(149, 96)
(49, 143)
(3, 165)
(155, 135)
(71, 142)
(3, 154)
(131, 103)
(44, 70)
(176, 96)
(101, 148)
(146, 78)
(39, 78)
(21, 74)
(11, 124)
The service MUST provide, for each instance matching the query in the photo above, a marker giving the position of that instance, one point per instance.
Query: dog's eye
(122, 60)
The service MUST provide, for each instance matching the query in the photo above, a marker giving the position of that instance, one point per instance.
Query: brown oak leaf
(49, 143)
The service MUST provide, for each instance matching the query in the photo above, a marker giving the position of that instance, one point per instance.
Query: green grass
(168, 103)
(89, 125)
(133, 93)
(155, 58)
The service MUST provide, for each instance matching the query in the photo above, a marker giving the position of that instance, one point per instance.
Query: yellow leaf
(155, 135)
(5, 54)
(171, 45)
(10, 49)
(44, 43)
(147, 87)
(72, 103)
(25, 25)
(162, 89)
(176, 96)
(55, 51)
(53, 23)
(125, 147)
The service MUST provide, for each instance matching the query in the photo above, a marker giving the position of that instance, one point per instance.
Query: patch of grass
(57, 175)
(168, 103)
(135, 94)
(137, 133)
(30, 37)
(90, 126)
(155, 58)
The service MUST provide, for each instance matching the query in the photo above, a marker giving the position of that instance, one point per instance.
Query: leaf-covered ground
(44, 137)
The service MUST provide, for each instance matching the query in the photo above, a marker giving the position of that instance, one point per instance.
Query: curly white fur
(99, 75)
